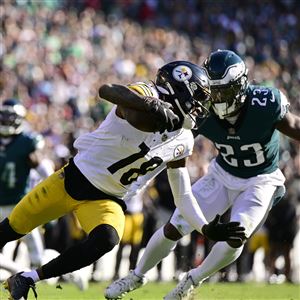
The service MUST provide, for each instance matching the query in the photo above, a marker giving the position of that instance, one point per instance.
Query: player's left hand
(167, 119)
(217, 231)
(164, 117)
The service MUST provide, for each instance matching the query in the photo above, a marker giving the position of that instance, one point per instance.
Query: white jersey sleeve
(121, 160)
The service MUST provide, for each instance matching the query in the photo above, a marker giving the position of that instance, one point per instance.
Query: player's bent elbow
(102, 92)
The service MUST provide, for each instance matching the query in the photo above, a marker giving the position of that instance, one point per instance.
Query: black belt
(79, 187)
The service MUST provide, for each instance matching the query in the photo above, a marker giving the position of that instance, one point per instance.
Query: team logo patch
(182, 73)
(179, 150)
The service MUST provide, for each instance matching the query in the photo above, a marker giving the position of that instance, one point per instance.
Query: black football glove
(217, 231)
(164, 116)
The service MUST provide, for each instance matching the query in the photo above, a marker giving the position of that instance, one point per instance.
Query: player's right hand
(217, 231)
(164, 116)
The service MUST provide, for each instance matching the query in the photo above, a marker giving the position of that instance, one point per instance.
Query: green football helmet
(228, 79)
(12, 114)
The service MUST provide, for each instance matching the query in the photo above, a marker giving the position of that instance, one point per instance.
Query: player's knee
(7, 234)
(103, 238)
(171, 232)
(237, 244)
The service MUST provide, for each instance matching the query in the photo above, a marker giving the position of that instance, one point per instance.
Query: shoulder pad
(263, 96)
(144, 89)
(267, 101)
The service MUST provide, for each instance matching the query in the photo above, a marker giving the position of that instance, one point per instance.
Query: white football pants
(249, 199)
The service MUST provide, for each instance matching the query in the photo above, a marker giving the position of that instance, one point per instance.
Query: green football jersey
(14, 167)
(251, 146)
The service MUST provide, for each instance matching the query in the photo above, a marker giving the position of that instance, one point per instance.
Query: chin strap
(188, 122)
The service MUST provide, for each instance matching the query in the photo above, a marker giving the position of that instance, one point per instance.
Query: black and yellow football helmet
(186, 86)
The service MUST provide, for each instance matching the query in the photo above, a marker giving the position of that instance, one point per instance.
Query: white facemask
(222, 109)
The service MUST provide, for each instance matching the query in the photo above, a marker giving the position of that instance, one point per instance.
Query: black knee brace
(101, 240)
(7, 234)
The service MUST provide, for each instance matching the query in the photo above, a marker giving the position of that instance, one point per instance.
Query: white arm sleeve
(184, 199)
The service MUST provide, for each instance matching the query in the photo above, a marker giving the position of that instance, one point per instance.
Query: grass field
(156, 291)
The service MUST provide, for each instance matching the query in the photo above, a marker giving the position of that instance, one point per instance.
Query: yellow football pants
(133, 231)
(49, 200)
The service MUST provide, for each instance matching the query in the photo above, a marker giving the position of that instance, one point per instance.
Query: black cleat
(18, 287)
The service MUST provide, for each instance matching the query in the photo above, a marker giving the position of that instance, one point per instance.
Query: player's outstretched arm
(290, 126)
(160, 115)
(187, 204)
(184, 199)
(122, 95)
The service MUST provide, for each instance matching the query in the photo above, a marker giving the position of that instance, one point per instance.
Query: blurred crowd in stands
(56, 53)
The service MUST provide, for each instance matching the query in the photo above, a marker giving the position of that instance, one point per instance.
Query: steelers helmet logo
(179, 150)
(182, 73)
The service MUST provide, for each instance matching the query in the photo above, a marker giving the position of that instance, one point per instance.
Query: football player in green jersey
(19, 153)
(244, 125)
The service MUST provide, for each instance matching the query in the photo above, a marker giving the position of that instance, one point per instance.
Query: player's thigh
(47, 201)
(211, 195)
(251, 207)
(97, 212)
